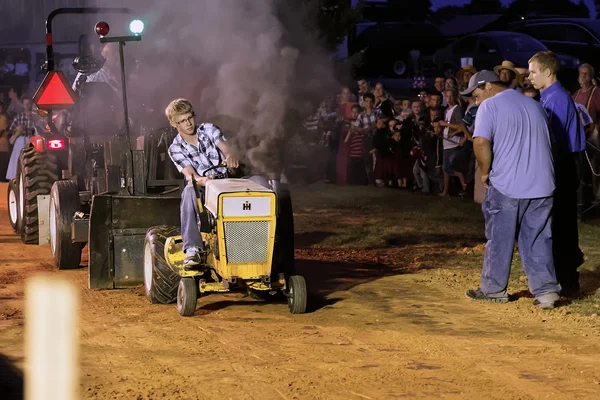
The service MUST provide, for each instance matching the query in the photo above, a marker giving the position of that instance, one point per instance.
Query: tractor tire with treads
(64, 203)
(160, 281)
(36, 172)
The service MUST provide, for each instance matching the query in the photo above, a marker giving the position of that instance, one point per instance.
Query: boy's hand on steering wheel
(231, 162)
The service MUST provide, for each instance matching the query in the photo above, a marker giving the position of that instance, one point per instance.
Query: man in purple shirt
(514, 152)
(569, 143)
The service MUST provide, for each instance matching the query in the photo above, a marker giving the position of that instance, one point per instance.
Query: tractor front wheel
(64, 203)
(187, 297)
(297, 294)
(160, 281)
(13, 205)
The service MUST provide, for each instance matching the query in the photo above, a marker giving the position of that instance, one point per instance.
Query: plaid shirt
(205, 156)
(27, 121)
(365, 120)
(103, 75)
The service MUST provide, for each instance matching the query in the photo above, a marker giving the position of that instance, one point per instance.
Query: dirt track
(374, 333)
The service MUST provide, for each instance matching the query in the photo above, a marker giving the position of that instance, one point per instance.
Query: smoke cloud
(250, 66)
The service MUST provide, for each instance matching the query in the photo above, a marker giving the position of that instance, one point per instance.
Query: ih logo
(246, 206)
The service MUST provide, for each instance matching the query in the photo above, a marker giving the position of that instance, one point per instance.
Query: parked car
(488, 49)
(383, 49)
(579, 37)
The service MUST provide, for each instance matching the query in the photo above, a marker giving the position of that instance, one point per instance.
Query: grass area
(450, 232)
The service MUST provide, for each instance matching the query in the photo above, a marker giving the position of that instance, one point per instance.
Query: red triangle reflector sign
(54, 92)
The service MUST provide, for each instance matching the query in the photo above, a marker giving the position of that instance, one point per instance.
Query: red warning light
(102, 28)
(56, 144)
(54, 92)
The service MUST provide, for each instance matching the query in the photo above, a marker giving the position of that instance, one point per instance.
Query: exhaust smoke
(249, 66)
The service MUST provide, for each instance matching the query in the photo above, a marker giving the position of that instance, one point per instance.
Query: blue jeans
(529, 222)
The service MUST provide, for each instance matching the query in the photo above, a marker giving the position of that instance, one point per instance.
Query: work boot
(478, 294)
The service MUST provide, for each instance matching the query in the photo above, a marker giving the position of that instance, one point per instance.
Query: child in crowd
(420, 169)
(405, 104)
(433, 148)
(384, 166)
(356, 136)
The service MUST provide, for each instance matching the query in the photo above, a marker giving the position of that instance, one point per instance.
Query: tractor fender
(38, 143)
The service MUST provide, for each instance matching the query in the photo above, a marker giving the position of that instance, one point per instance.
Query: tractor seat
(88, 65)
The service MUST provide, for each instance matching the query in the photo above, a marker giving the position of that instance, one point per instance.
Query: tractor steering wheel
(219, 175)
(229, 173)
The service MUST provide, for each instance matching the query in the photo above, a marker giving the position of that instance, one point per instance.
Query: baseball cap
(480, 79)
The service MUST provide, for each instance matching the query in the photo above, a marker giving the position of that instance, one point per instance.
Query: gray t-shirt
(516, 126)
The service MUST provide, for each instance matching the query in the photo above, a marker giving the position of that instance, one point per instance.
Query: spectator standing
(14, 107)
(518, 202)
(507, 73)
(433, 150)
(569, 143)
(344, 112)
(367, 121)
(384, 167)
(588, 95)
(464, 75)
(440, 86)
(452, 151)
(345, 103)
(363, 88)
(357, 173)
(19, 133)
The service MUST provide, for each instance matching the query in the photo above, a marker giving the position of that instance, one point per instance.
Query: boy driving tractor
(196, 148)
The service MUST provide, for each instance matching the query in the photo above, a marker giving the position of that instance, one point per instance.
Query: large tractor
(106, 187)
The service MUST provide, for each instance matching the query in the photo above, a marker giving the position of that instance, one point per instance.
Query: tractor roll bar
(76, 10)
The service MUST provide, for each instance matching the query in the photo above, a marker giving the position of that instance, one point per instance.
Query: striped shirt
(205, 155)
(357, 141)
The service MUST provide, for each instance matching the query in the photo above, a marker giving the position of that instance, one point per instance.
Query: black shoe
(477, 294)
(570, 292)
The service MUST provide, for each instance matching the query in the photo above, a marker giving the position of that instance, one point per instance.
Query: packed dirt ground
(388, 318)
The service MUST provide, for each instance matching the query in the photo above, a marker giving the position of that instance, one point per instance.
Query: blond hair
(547, 60)
(178, 107)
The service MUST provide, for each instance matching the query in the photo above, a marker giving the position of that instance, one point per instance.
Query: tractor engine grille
(247, 242)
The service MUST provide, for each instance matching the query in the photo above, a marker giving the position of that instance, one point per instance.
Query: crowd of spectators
(423, 141)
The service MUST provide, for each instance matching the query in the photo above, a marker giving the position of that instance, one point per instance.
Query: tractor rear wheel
(36, 172)
(160, 281)
(297, 294)
(13, 205)
(187, 297)
(64, 203)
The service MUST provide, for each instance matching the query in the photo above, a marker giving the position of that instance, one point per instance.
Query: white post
(51, 340)
(43, 202)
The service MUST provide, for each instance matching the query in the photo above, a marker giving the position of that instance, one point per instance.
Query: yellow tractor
(239, 229)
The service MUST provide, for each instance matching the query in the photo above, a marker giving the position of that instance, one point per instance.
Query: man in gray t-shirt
(514, 152)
